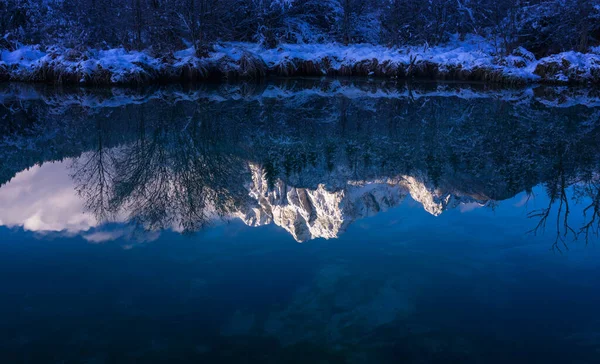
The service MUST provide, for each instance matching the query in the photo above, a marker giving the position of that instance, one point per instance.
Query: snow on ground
(569, 66)
(23, 56)
(472, 54)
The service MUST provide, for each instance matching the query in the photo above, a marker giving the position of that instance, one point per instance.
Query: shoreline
(471, 60)
(13, 93)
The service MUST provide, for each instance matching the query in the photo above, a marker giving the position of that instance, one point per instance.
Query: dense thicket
(543, 26)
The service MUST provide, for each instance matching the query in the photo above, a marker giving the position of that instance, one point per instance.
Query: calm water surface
(306, 221)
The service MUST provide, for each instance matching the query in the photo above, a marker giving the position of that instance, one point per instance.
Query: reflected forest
(311, 156)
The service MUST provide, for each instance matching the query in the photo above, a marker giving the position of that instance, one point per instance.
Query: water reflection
(310, 157)
(431, 191)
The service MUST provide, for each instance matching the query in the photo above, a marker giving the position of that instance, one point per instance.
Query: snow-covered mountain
(325, 213)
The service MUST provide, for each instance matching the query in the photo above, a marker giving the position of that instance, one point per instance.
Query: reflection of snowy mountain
(306, 213)
(320, 213)
(329, 153)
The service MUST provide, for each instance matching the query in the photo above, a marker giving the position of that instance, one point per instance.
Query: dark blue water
(132, 246)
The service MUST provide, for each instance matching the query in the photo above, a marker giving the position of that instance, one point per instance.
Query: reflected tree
(557, 193)
(93, 175)
(174, 161)
(589, 192)
(167, 178)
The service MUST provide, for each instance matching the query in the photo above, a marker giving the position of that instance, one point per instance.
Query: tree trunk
(346, 25)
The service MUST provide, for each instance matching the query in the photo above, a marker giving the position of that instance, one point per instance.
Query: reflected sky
(164, 226)
(45, 199)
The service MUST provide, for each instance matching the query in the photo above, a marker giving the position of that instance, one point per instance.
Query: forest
(530, 29)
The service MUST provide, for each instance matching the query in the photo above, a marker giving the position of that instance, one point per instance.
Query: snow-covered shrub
(552, 26)
(519, 58)
(570, 67)
(310, 21)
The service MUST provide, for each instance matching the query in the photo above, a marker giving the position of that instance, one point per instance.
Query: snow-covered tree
(357, 21)
(544, 26)
(549, 26)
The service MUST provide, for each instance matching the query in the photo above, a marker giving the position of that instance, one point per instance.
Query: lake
(325, 221)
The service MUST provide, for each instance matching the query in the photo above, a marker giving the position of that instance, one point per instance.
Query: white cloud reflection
(43, 199)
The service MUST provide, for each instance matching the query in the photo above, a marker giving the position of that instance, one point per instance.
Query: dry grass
(387, 69)
(191, 72)
(310, 68)
(547, 70)
(287, 68)
(4, 74)
(251, 67)
(101, 76)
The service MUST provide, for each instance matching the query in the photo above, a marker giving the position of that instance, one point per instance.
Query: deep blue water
(147, 276)
(403, 285)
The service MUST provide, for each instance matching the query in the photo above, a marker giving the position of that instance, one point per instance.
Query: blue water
(402, 285)
(128, 234)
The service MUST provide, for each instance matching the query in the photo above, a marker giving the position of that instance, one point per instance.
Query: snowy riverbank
(472, 59)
